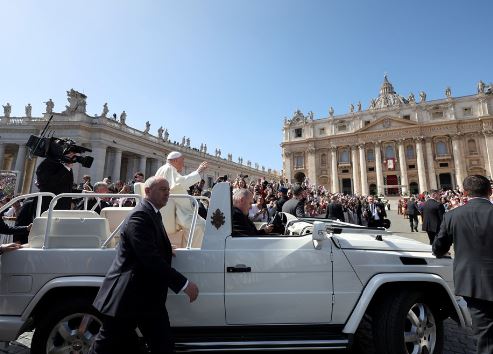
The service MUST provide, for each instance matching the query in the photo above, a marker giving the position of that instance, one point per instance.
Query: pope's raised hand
(202, 167)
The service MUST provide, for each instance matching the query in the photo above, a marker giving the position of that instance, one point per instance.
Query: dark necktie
(159, 219)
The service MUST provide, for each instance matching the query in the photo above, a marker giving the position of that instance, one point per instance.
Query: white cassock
(178, 213)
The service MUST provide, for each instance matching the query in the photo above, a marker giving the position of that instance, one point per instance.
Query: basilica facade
(118, 149)
(396, 146)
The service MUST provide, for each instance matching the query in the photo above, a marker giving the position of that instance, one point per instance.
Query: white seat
(139, 188)
(115, 215)
(70, 232)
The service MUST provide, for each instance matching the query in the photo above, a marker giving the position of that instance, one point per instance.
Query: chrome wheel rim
(420, 331)
(73, 334)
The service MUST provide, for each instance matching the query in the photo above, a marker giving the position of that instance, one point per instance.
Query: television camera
(57, 148)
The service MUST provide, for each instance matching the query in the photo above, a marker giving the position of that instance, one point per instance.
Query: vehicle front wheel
(408, 323)
(71, 327)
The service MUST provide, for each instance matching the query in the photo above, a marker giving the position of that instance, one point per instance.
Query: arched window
(323, 160)
(344, 156)
(471, 146)
(441, 148)
(410, 152)
(370, 155)
(389, 152)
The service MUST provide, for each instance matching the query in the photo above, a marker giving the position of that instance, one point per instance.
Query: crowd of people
(314, 201)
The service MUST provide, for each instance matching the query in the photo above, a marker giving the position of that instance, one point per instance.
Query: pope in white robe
(178, 212)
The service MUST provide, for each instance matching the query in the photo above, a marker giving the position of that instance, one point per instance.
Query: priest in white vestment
(178, 212)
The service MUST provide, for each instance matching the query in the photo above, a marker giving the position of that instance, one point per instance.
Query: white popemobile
(320, 285)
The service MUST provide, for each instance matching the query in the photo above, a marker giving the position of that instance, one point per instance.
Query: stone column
(488, 138)
(335, 179)
(403, 166)
(142, 164)
(28, 176)
(312, 168)
(363, 170)
(378, 164)
(287, 165)
(97, 168)
(2, 155)
(356, 173)
(421, 165)
(432, 178)
(20, 161)
(117, 165)
(459, 170)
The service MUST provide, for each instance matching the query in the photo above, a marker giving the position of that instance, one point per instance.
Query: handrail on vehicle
(27, 196)
(112, 195)
(54, 201)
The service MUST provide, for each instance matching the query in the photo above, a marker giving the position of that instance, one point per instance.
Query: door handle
(239, 268)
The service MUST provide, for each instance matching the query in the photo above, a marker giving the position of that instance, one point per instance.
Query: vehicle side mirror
(319, 234)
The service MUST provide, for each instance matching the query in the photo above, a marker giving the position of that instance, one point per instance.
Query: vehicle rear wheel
(70, 328)
(407, 323)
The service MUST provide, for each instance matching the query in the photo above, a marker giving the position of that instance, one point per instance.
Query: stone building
(397, 145)
(118, 149)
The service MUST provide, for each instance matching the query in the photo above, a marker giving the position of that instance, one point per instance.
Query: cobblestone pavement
(457, 340)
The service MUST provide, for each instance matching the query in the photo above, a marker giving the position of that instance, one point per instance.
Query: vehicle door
(205, 268)
(278, 279)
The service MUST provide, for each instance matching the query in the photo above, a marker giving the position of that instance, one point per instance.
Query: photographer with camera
(56, 176)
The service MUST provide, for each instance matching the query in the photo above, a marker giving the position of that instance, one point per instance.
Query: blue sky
(227, 72)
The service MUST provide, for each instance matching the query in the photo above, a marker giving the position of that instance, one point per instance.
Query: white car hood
(389, 242)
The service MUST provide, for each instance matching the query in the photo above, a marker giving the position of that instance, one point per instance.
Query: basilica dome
(387, 97)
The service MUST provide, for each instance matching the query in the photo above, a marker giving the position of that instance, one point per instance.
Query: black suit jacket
(243, 226)
(432, 215)
(12, 230)
(412, 208)
(380, 212)
(294, 207)
(335, 211)
(280, 202)
(470, 229)
(54, 177)
(137, 282)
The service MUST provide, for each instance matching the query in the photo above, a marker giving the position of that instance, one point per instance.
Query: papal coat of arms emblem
(218, 218)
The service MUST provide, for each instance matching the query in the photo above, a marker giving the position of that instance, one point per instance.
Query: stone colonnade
(107, 162)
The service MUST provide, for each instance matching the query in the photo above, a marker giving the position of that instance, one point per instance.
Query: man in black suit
(433, 212)
(242, 225)
(469, 228)
(133, 294)
(413, 212)
(282, 196)
(13, 230)
(375, 212)
(99, 187)
(334, 210)
(296, 205)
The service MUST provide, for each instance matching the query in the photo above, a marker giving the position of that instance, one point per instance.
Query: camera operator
(57, 177)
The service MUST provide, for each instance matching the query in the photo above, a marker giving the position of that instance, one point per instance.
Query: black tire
(70, 312)
(363, 341)
(396, 317)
